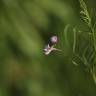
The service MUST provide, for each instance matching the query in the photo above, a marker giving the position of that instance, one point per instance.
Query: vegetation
(26, 26)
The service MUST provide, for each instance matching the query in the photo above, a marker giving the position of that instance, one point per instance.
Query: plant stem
(93, 36)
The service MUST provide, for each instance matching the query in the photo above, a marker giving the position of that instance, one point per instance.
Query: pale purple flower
(54, 39)
(48, 49)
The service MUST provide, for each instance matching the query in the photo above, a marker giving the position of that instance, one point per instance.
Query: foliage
(84, 51)
(25, 26)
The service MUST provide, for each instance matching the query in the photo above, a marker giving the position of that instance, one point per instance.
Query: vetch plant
(83, 50)
(87, 17)
(86, 54)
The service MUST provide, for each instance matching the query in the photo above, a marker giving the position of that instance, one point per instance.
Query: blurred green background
(25, 28)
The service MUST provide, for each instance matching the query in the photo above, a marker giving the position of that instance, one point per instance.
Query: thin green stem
(93, 36)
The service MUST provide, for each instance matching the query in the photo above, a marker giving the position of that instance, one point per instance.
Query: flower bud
(54, 39)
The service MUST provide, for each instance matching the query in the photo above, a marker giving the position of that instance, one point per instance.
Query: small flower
(54, 39)
(48, 49)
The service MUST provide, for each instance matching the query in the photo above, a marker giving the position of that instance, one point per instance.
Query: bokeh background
(25, 28)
